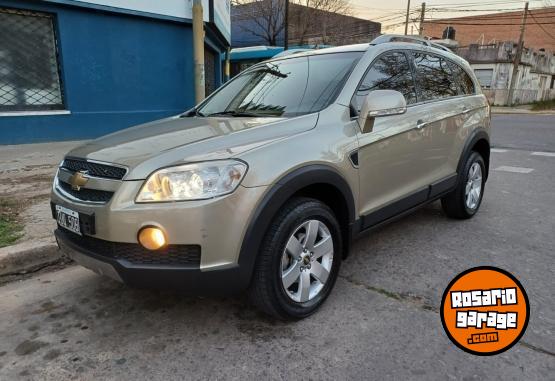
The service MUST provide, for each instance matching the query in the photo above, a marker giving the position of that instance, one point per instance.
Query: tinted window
(287, 87)
(327, 74)
(389, 72)
(466, 86)
(434, 77)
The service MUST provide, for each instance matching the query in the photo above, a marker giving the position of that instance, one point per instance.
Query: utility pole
(407, 19)
(227, 74)
(286, 22)
(198, 50)
(422, 14)
(518, 56)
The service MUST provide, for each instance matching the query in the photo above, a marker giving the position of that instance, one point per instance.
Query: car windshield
(288, 87)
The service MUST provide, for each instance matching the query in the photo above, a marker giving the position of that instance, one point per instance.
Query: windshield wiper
(191, 112)
(235, 113)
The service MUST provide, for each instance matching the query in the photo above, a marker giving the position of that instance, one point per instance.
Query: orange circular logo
(485, 310)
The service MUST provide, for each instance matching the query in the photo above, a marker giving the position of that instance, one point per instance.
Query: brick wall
(485, 29)
(312, 26)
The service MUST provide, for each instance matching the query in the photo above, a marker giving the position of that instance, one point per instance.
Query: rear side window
(391, 71)
(466, 86)
(434, 77)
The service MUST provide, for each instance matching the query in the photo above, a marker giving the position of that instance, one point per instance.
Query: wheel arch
(317, 181)
(479, 142)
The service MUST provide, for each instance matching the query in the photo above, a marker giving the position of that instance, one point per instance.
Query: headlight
(195, 181)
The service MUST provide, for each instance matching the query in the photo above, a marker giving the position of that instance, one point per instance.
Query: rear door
(441, 103)
(473, 112)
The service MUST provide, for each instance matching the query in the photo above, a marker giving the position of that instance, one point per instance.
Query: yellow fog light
(152, 238)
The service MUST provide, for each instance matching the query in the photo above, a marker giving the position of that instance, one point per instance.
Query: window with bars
(209, 71)
(29, 71)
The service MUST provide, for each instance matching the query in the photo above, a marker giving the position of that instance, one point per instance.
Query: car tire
(465, 200)
(287, 283)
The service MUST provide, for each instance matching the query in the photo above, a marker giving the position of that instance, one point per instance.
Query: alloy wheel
(473, 187)
(307, 260)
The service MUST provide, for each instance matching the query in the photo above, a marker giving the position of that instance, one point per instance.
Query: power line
(464, 5)
(400, 17)
(396, 17)
(489, 16)
(509, 10)
(388, 18)
(444, 22)
(541, 27)
(498, 16)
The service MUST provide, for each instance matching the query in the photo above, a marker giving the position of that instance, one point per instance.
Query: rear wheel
(299, 260)
(465, 200)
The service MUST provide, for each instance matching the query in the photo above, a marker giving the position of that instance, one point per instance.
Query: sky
(393, 12)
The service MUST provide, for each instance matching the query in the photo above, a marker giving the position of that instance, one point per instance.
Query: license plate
(68, 219)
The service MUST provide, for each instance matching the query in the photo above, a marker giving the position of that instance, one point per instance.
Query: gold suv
(262, 186)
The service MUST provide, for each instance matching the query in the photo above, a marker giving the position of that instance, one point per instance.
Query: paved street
(538, 134)
(381, 321)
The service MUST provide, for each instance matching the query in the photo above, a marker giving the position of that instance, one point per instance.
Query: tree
(261, 18)
(317, 19)
(307, 18)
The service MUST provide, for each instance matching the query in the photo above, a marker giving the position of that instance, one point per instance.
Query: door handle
(420, 124)
(465, 110)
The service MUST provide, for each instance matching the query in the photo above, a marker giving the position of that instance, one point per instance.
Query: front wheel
(299, 260)
(465, 200)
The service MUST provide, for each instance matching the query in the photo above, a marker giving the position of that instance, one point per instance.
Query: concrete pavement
(26, 173)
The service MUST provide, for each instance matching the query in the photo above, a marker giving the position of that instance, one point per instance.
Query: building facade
(313, 27)
(493, 65)
(80, 69)
(253, 24)
(499, 27)
(489, 43)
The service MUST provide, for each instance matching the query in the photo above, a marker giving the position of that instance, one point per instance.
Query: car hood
(175, 140)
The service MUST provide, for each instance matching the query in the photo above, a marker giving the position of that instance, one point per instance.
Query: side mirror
(380, 103)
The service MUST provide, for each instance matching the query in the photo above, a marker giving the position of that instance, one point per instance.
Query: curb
(521, 112)
(29, 256)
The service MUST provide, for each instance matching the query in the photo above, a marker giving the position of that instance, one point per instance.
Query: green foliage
(10, 228)
(544, 105)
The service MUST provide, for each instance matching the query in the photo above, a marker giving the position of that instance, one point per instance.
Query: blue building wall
(118, 70)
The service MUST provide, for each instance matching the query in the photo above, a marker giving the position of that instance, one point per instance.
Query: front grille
(171, 255)
(94, 169)
(85, 194)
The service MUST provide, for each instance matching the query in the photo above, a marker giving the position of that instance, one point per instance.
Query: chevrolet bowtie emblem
(78, 179)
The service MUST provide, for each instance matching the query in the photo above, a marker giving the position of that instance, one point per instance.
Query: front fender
(276, 196)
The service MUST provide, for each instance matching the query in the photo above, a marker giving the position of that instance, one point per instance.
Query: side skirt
(404, 206)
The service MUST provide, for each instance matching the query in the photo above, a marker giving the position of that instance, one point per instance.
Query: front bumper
(187, 278)
(217, 225)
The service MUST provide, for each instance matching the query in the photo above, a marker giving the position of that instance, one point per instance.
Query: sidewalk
(26, 174)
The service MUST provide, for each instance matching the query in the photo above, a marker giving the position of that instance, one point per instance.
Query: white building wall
(530, 87)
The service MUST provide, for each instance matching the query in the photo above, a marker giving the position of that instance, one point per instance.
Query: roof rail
(412, 39)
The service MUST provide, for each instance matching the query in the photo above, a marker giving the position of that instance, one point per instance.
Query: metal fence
(210, 71)
(29, 71)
